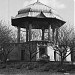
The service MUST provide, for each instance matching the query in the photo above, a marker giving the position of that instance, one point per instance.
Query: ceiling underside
(37, 23)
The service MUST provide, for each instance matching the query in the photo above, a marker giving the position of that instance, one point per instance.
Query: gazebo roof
(37, 13)
(35, 7)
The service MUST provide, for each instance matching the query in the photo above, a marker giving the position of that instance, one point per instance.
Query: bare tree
(36, 34)
(66, 35)
(30, 51)
(5, 51)
(65, 40)
(63, 51)
(5, 38)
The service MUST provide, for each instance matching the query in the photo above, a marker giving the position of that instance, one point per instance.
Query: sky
(65, 8)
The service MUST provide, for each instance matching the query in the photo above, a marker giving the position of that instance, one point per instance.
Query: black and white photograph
(37, 37)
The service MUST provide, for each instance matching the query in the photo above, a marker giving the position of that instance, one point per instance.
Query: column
(56, 35)
(30, 34)
(18, 35)
(53, 30)
(26, 34)
(49, 37)
(43, 34)
(18, 45)
(56, 42)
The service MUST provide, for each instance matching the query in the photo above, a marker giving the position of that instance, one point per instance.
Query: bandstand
(36, 16)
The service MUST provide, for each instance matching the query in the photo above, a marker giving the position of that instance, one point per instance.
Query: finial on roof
(37, 0)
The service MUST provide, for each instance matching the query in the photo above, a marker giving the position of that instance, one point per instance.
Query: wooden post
(53, 30)
(26, 34)
(43, 34)
(18, 46)
(56, 35)
(49, 38)
(56, 42)
(30, 34)
(18, 35)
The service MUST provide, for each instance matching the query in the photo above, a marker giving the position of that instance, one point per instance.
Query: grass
(36, 68)
(25, 72)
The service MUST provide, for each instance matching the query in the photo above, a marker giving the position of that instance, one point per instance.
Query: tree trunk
(30, 57)
(72, 58)
(61, 60)
(5, 59)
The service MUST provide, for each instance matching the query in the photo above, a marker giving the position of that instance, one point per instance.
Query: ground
(35, 68)
(13, 71)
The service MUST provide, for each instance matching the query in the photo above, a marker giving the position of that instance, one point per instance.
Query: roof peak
(37, 0)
